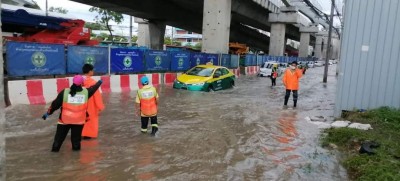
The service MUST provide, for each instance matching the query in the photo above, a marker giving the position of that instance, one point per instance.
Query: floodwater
(236, 134)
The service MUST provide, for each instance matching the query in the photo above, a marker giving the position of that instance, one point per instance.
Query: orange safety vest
(148, 101)
(291, 79)
(74, 108)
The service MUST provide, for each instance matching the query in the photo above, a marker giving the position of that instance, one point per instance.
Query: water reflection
(144, 159)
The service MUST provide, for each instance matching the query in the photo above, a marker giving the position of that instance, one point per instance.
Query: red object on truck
(72, 33)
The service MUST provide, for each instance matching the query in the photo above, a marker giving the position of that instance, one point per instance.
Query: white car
(310, 64)
(266, 68)
(319, 64)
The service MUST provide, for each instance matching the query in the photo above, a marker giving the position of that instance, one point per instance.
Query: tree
(95, 26)
(58, 10)
(167, 41)
(197, 46)
(104, 17)
(177, 43)
(134, 39)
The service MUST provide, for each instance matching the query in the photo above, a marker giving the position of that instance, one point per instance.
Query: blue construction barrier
(125, 60)
(226, 60)
(197, 59)
(213, 58)
(259, 59)
(180, 61)
(29, 59)
(157, 61)
(235, 61)
(79, 55)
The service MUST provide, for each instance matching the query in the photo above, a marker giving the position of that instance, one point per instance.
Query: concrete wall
(369, 68)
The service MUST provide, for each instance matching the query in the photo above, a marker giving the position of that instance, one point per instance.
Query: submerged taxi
(205, 78)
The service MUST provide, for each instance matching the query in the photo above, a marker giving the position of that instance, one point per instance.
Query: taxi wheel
(210, 89)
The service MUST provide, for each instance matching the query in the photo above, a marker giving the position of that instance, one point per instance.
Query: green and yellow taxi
(205, 78)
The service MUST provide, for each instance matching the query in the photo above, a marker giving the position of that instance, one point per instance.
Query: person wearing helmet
(291, 81)
(146, 103)
(73, 102)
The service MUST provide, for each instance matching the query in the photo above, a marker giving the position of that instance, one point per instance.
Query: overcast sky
(81, 11)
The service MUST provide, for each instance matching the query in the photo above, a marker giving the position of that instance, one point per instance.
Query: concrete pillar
(277, 41)
(157, 33)
(318, 47)
(143, 35)
(335, 48)
(150, 33)
(325, 47)
(304, 44)
(216, 26)
(305, 33)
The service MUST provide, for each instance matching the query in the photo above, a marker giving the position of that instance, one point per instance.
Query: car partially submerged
(205, 78)
(266, 68)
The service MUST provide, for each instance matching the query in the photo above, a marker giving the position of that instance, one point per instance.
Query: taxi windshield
(201, 71)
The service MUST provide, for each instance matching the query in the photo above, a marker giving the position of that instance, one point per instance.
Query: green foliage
(197, 46)
(134, 38)
(168, 41)
(95, 26)
(58, 10)
(385, 164)
(104, 17)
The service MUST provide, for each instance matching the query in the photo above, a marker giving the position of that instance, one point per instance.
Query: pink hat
(78, 80)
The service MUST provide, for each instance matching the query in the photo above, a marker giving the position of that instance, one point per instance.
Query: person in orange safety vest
(291, 81)
(95, 105)
(73, 102)
(147, 100)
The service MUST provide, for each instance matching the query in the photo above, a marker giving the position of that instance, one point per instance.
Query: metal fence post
(109, 59)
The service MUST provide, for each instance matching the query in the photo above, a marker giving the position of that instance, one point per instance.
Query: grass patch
(385, 164)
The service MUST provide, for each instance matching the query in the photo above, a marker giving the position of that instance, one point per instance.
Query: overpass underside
(188, 15)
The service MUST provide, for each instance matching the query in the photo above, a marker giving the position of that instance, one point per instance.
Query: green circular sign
(38, 59)
(90, 59)
(158, 60)
(180, 62)
(127, 61)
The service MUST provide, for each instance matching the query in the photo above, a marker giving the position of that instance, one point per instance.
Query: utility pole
(47, 9)
(328, 50)
(130, 32)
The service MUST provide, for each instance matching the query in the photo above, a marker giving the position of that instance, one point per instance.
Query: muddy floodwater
(237, 134)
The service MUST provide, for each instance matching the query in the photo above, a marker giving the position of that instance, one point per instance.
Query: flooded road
(236, 134)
